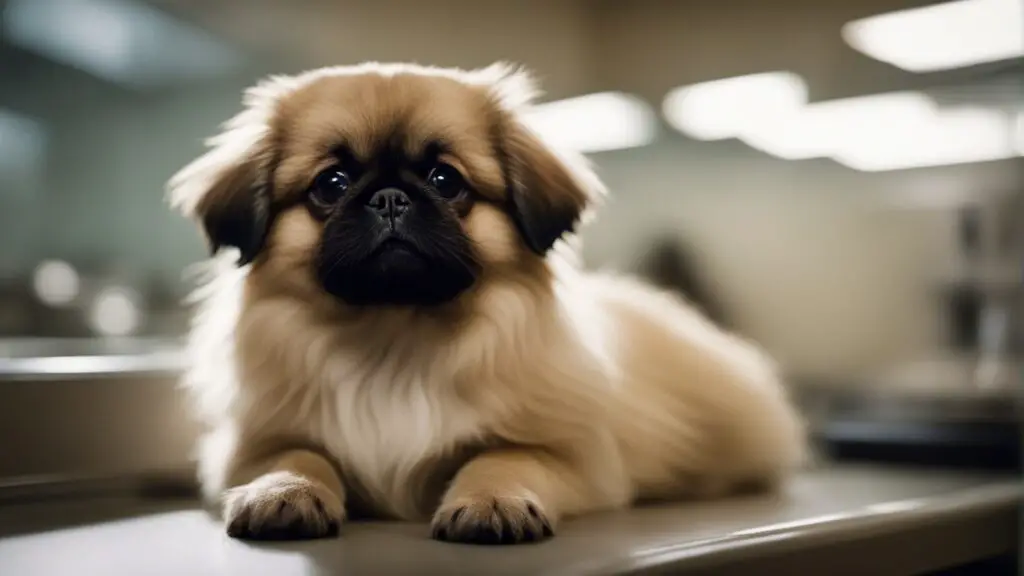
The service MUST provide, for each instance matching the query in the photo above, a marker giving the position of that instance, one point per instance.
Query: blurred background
(839, 180)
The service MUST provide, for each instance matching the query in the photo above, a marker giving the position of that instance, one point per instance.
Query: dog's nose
(390, 203)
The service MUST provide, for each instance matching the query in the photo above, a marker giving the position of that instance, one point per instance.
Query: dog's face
(385, 185)
(392, 226)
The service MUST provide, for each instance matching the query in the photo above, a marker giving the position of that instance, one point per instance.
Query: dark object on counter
(671, 265)
(963, 432)
(967, 445)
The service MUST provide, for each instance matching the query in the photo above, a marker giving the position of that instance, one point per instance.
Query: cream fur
(560, 392)
(655, 400)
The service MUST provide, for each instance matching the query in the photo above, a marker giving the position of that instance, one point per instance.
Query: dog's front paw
(491, 520)
(282, 506)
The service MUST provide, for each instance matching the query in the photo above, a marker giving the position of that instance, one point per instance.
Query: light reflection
(794, 525)
(895, 507)
(115, 311)
(48, 366)
(56, 283)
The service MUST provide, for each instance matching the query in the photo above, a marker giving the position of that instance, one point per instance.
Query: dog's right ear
(228, 190)
(549, 190)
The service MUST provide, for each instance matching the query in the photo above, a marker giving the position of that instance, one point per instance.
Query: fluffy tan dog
(403, 337)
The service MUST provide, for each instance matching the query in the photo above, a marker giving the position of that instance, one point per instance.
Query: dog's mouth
(395, 245)
(398, 271)
(399, 259)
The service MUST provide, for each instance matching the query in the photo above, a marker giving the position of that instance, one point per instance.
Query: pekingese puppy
(400, 333)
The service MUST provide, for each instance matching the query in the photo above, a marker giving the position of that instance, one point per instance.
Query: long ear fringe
(513, 86)
(552, 190)
(237, 141)
(225, 189)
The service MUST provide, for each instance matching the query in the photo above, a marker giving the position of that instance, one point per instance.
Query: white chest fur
(383, 422)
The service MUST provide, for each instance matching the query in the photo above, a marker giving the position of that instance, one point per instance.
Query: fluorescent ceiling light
(595, 122)
(942, 36)
(725, 108)
(890, 131)
(953, 136)
(124, 42)
(893, 131)
(822, 129)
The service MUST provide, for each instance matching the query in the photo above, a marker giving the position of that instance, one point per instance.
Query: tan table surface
(834, 520)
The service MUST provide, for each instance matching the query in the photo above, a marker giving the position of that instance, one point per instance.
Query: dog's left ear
(227, 190)
(548, 190)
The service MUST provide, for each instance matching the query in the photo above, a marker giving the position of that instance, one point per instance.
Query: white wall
(811, 258)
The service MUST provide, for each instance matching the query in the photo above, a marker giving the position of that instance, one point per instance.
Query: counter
(834, 520)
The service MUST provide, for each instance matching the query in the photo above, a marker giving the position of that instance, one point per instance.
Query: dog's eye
(447, 181)
(330, 185)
